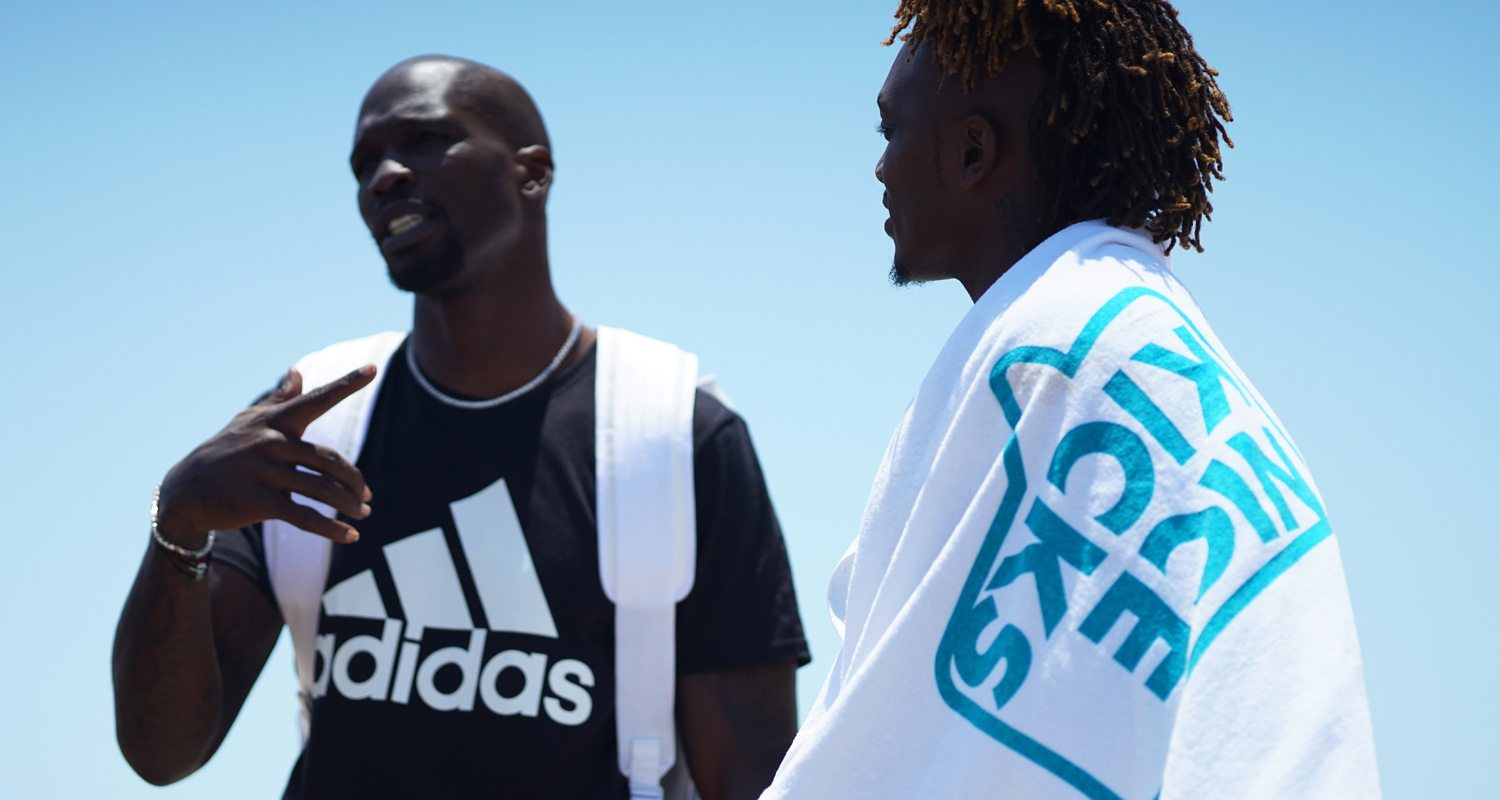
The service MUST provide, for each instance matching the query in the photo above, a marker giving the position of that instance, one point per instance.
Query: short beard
(902, 277)
(419, 277)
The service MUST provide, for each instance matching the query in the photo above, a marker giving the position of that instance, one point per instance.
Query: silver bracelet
(198, 558)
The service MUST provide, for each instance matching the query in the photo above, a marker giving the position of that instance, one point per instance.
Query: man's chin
(902, 276)
(424, 276)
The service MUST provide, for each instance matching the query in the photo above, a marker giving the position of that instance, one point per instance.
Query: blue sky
(180, 226)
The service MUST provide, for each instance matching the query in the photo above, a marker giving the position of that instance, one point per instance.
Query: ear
(536, 160)
(981, 150)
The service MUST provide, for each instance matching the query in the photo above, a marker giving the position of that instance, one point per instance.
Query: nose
(880, 169)
(389, 174)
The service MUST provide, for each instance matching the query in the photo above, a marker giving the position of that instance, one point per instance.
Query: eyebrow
(397, 126)
(357, 151)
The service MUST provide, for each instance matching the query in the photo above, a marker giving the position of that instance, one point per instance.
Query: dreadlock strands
(1129, 123)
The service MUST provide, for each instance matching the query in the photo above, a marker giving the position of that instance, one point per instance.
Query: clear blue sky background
(179, 225)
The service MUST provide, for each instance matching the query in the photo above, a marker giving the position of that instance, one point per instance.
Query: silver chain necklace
(491, 402)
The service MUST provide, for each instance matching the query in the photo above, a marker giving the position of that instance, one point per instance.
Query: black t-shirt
(465, 644)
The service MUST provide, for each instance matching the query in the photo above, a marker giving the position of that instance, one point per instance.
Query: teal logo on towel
(1165, 580)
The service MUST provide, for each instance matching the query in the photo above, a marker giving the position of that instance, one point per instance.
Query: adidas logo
(428, 586)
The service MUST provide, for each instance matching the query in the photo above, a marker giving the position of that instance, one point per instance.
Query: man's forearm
(187, 651)
(168, 685)
(736, 727)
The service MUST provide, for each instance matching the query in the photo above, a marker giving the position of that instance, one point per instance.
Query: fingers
(290, 387)
(297, 412)
(321, 488)
(324, 460)
(326, 476)
(307, 519)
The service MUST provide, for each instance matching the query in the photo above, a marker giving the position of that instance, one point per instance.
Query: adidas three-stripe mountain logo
(426, 577)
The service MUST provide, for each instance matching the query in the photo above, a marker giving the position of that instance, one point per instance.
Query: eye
(432, 140)
(360, 165)
(885, 133)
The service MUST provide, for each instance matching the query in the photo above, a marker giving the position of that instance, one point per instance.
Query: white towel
(1092, 564)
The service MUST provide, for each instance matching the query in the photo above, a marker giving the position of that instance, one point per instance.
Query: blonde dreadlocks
(1128, 124)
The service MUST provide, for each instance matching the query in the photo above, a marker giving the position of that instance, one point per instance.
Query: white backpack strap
(297, 560)
(644, 393)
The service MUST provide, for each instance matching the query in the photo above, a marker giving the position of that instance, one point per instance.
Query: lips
(404, 223)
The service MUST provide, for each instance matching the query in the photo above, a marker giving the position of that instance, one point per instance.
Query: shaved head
(454, 169)
(493, 96)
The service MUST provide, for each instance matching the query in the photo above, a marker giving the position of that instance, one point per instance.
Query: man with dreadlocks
(1093, 563)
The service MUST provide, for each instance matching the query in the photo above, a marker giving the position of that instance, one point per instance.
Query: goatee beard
(901, 277)
(420, 276)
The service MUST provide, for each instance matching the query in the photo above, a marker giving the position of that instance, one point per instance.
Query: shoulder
(327, 363)
(714, 419)
(1096, 307)
(1101, 330)
(358, 344)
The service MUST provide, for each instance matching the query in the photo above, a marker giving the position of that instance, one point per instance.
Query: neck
(1011, 233)
(487, 340)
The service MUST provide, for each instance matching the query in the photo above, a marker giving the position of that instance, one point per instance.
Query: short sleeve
(742, 610)
(244, 550)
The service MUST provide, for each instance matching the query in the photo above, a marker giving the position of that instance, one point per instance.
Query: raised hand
(247, 472)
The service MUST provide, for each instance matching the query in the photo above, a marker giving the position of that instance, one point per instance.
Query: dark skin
(454, 169)
(959, 172)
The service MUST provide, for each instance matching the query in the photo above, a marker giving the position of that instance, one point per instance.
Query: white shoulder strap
(297, 560)
(644, 393)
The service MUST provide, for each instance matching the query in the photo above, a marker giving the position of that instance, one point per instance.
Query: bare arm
(736, 727)
(186, 652)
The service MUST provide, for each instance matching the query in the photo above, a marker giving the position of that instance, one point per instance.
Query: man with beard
(1093, 563)
(454, 627)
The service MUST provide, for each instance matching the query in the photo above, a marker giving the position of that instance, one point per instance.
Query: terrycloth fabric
(1092, 564)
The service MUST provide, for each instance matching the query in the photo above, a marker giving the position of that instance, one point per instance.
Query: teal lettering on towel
(1058, 543)
(1207, 373)
(1124, 446)
(1138, 404)
(1010, 646)
(1154, 620)
(1211, 525)
(1134, 573)
(1284, 473)
(1227, 482)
